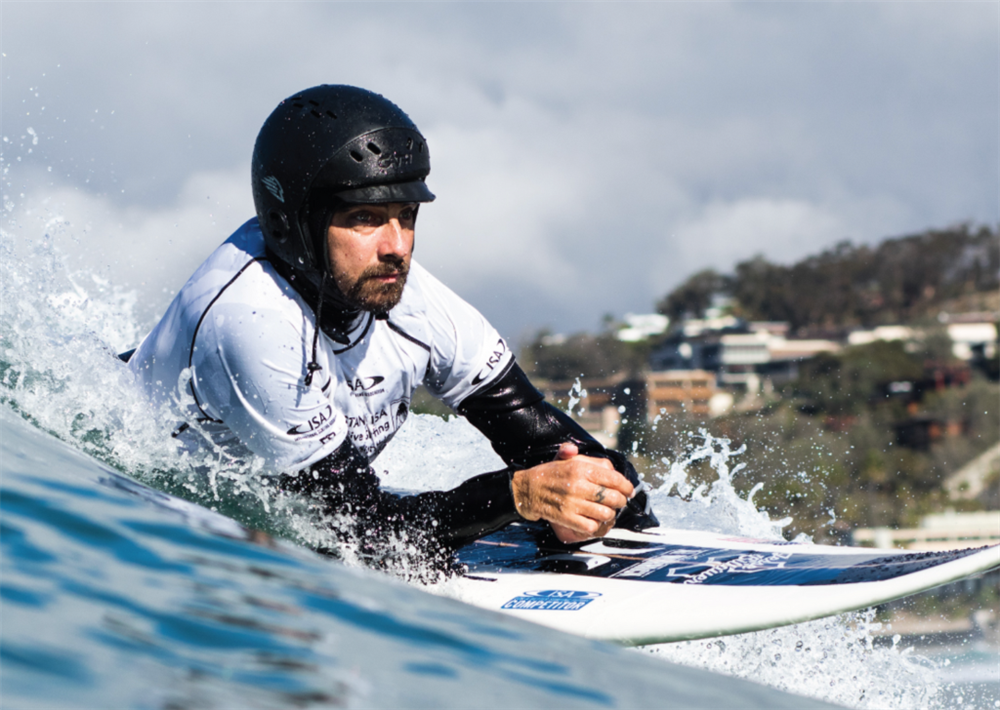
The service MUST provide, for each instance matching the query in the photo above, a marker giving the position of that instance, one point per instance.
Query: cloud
(739, 230)
(587, 157)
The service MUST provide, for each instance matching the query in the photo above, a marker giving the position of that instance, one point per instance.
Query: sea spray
(715, 505)
(832, 659)
(60, 332)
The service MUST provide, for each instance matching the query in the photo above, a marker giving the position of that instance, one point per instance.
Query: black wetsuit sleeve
(526, 431)
(523, 429)
(344, 483)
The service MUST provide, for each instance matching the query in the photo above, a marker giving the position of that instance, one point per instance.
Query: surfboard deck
(665, 585)
(659, 585)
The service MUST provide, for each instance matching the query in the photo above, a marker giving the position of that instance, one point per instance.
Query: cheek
(349, 255)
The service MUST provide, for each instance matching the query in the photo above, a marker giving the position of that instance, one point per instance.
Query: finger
(610, 479)
(598, 462)
(602, 495)
(567, 535)
(604, 529)
(599, 514)
(571, 536)
(567, 450)
(583, 527)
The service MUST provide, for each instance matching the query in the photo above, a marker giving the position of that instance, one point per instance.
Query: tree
(694, 296)
(582, 354)
(897, 281)
(849, 382)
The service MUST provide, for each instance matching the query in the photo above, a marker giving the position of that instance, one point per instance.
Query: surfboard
(659, 585)
(665, 585)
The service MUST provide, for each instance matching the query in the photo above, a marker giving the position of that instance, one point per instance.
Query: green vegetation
(582, 354)
(851, 382)
(899, 281)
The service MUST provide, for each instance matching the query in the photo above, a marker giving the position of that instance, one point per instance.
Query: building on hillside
(594, 402)
(979, 479)
(689, 391)
(920, 431)
(601, 404)
(642, 327)
(741, 355)
(888, 333)
(973, 335)
(694, 327)
(940, 531)
(973, 341)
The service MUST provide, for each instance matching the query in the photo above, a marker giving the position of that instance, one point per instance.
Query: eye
(364, 218)
(408, 214)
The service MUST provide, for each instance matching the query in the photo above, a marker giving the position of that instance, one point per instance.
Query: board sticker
(551, 600)
(531, 547)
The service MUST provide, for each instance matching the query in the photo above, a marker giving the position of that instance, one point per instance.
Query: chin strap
(313, 366)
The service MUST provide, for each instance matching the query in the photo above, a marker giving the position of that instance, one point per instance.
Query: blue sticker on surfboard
(551, 600)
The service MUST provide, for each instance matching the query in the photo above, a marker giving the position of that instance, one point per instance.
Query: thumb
(567, 451)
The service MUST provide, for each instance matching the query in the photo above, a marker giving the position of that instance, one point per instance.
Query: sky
(587, 157)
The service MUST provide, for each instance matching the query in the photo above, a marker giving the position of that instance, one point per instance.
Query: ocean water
(112, 597)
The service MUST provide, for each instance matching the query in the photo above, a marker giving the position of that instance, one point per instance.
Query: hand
(578, 495)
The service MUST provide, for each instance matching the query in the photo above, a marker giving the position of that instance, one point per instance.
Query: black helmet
(326, 145)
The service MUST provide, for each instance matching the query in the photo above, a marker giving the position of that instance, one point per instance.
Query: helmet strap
(313, 366)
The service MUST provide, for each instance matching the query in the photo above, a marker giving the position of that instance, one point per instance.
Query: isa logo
(552, 600)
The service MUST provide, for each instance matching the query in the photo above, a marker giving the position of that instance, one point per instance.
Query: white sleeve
(248, 372)
(467, 353)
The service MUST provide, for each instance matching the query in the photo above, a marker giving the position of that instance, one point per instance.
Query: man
(302, 338)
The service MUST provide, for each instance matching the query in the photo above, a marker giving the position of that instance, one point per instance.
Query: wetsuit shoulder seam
(201, 319)
(399, 331)
(361, 337)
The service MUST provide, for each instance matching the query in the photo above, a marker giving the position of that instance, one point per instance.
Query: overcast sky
(587, 157)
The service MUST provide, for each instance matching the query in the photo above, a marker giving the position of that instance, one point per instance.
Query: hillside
(901, 280)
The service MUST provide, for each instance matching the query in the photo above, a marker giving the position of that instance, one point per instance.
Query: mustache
(390, 267)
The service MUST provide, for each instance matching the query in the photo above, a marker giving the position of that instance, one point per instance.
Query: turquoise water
(112, 597)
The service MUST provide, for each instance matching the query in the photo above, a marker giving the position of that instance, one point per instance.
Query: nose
(394, 239)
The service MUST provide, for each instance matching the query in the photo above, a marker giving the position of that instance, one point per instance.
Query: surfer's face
(370, 248)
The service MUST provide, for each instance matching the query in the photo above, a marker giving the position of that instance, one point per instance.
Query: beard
(369, 294)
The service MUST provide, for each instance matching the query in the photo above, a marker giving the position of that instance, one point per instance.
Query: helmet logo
(396, 160)
(274, 187)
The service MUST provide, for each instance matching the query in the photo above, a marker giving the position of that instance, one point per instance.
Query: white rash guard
(231, 353)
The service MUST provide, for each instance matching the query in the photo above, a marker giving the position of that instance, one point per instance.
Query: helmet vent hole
(278, 225)
(374, 148)
(357, 156)
(316, 113)
(409, 143)
(298, 105)
(420, 147)
(331, 114)
(313, 103)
